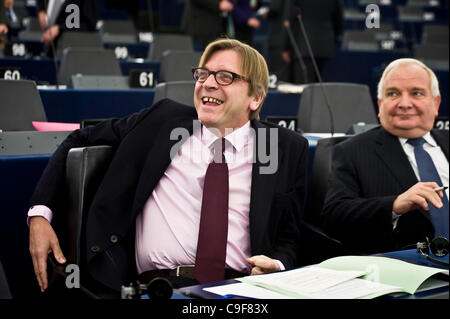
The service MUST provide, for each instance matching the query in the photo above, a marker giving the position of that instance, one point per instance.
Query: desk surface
(405, 255)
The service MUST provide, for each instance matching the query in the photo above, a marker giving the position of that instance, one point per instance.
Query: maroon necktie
(212, 237)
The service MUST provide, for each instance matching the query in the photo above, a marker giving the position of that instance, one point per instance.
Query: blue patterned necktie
(429, 173)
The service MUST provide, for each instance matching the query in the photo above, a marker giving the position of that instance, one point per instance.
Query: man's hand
(286, 55)
(262, 265)
(225, 6)
(42, 17)
(3, 29)
(418, 196)
(50, 34)
(253, 23)
(43, 241)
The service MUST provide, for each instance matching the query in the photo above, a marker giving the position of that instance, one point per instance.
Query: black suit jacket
(88, 14)
(203, 20)
(142, 147)
(2, 13)
(368, 172)
(323, 21)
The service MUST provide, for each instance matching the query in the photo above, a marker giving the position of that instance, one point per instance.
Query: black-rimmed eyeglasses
(222, 77)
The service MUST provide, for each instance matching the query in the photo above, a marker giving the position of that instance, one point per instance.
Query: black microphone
(297, 52)
(52, 46)
(158, 288)
(438, 246)
(316, 70)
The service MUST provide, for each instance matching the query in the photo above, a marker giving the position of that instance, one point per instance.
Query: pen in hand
(442, 188)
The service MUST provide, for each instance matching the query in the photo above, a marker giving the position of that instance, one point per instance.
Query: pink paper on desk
(55, 126)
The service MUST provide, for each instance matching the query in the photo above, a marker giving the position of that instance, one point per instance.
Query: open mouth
(211, 101)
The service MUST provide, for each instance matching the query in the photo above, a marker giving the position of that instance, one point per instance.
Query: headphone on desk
(438, 247)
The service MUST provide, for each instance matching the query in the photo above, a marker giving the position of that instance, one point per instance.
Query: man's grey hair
(433, 79)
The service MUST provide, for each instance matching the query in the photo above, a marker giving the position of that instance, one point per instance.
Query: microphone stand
(316, 70)
(52, 44)
(297, 53)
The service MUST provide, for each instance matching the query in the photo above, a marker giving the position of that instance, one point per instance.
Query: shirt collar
(238, 137)
(427, 137)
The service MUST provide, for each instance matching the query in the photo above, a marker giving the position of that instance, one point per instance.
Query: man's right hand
(43, 241)
(418, 196)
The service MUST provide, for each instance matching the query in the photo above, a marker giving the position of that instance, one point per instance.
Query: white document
(305, 280)
(246, 290)
(352, 289)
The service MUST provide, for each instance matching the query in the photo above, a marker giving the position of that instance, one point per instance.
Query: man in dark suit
(204, 20)
(323, 21)
(54, 15)
(377, 200)
(145, 216)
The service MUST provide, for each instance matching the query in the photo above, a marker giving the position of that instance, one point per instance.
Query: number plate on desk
(441, 123)
(142, 79)
(12, 73)
(16, 49)
(289, 122)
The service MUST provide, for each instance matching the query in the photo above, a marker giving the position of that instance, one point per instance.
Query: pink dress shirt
(172, 212)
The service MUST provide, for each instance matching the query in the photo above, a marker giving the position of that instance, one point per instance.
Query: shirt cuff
(395, 218)
(280, 264)
(39, 210)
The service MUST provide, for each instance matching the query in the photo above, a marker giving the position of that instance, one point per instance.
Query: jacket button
(95, 249)
(114, 239)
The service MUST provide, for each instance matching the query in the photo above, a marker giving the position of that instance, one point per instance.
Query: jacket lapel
(172, 134)
(390, 151)
(262, 187)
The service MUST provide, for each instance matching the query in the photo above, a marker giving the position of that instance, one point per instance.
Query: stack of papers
(347, 277)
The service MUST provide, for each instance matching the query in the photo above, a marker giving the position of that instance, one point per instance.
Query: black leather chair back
(316, 245)
(319, 178)
(350, 103)
(85, 168)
